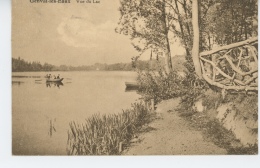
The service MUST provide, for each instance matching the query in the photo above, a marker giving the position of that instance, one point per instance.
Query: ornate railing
(232, 67)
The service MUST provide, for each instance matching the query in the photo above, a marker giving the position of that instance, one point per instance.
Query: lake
(41, 111)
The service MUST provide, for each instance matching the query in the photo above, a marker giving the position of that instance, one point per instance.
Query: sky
(71, 34)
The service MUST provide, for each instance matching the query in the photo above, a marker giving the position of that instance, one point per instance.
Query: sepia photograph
(134, 77)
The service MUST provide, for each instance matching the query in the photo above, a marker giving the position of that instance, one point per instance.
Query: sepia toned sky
(72, 34)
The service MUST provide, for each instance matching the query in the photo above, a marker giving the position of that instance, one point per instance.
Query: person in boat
(54, 77)
(58, 77)
(49, 76)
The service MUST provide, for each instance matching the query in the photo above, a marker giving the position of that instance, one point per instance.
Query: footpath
(170, 134)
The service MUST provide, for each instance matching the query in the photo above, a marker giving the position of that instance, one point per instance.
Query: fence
(232, 67)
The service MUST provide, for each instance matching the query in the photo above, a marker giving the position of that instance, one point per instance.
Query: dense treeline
(20, 65)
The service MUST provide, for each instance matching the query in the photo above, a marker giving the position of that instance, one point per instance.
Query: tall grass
(105, 134)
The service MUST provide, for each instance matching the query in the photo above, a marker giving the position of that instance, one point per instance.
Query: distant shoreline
(81, 71)
(21, 65)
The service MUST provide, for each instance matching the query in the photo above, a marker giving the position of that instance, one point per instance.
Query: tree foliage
(229, 21)
(20, 65)
(146, 22)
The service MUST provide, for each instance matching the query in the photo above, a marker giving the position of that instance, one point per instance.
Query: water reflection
(21, 76)
(17, 83)
(131, 89)
(52, 128)
(54, 84)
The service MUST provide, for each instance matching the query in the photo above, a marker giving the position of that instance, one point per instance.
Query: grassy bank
(106, 134)
(213, 129)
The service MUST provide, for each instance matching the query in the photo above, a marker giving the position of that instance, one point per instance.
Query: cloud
(77, 31)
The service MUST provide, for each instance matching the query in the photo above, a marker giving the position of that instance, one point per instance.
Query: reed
(105, 134)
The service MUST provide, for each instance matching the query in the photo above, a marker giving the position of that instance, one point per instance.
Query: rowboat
(131, 85)
(54, 80)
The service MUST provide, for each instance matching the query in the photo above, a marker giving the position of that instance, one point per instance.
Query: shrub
(159, 85)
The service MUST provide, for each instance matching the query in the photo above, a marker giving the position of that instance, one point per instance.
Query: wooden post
(145, 104)
(152, 105)
(120, 147)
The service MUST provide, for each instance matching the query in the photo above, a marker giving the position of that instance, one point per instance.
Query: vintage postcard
(134, 77)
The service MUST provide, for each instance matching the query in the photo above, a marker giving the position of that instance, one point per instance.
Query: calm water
(41, 113)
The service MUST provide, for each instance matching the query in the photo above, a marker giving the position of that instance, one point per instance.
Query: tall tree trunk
(244, 16)
(167, 67)
(167, 49)
(186, 15)
(182, 30)
(209, 41)
(233, 19)
(196, 38)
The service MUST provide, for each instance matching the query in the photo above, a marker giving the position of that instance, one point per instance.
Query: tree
(182, 25)
(196, 38)
(147, 24)
(238, 17)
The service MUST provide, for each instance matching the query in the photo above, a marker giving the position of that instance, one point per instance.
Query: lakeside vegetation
(243, 105)
(107, 134)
